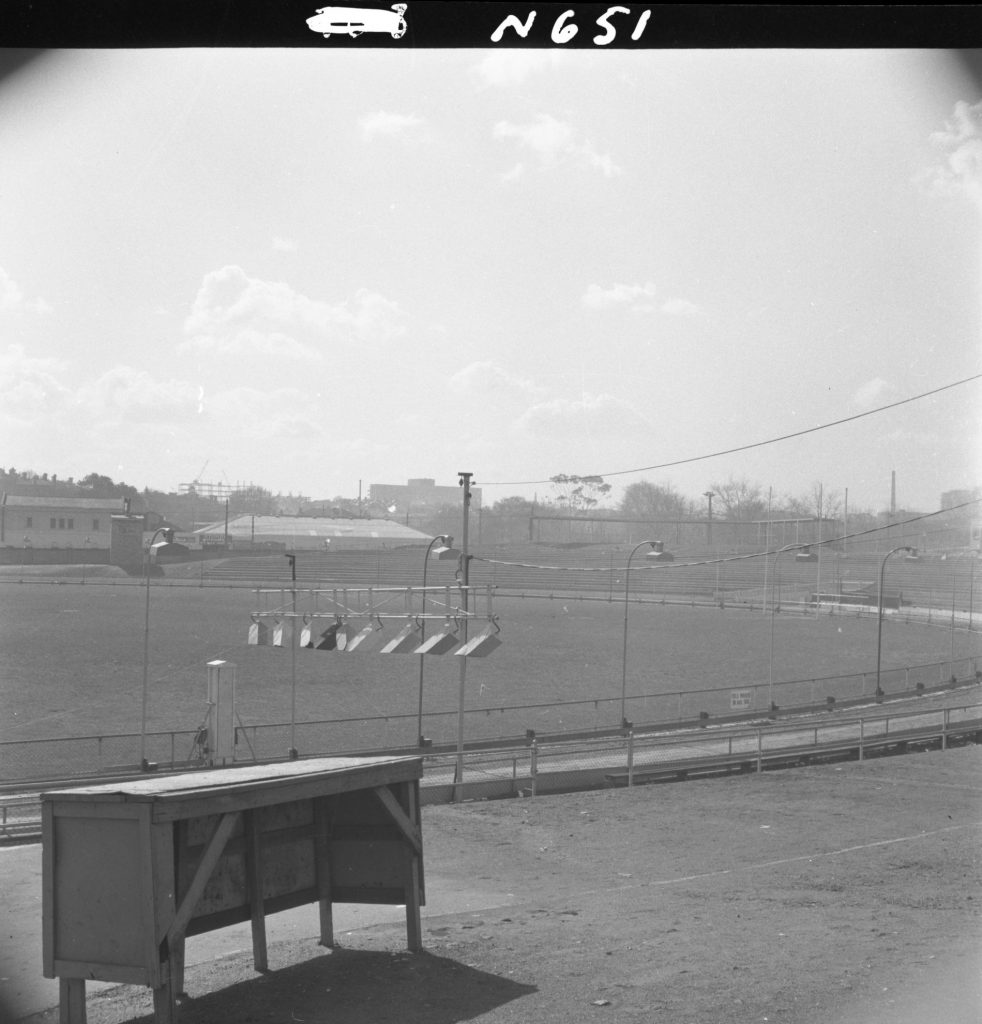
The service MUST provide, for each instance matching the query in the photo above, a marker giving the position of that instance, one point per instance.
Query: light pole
(293, 754)
(770, 660)
(85, 548)
(709, 495)
(465, 483)
(447, 551)
(879, 613)
(627, 590)
(168, 535)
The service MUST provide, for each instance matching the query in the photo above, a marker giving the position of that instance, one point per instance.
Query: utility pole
(709, 495)
(465, 483)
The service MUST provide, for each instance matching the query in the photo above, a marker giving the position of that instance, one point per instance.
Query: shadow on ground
(351, 986)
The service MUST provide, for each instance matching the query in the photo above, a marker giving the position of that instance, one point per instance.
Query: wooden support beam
(71, 1004)
(210, 857)
(254, 887)
(409, 828)
(322, 861)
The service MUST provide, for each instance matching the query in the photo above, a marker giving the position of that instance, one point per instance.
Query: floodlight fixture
(404, 642)
(282, 633)
(440, 643)
(481, 645)
(258, 633)
(350, 640)
(658, 553)
(445, 551)
(329, 638)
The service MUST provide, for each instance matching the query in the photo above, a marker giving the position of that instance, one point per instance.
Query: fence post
(630, 757)
(534, 763)
(944, 729)
(760, 750)
(861, 738)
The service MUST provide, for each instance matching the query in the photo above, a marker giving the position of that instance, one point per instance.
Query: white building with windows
(53, 522)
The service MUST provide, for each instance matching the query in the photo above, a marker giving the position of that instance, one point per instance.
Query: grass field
(71, 659)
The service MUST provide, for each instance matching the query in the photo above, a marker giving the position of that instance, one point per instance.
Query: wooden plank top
(227, 789)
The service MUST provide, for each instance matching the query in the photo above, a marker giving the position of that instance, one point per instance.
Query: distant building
(55, 522)
(420, 495)
(310, 533)
(952, 499)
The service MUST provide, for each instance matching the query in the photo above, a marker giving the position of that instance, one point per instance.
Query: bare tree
(816, 502)
(740, 499)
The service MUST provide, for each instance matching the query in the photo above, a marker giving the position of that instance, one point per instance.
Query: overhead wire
(755, 444)
(733, 558)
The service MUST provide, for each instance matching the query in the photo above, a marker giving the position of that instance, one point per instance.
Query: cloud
(31, 388)
(237, 314)
(125, 394)
(284, 244)
(874, 393)
(638, 297)
(387, 125)
(552, 140)
(592, 416)
(37, 391)
(12, 298)
(287, 414)
(680, 307)
(512, 67)
(486, 379)
(961, 145)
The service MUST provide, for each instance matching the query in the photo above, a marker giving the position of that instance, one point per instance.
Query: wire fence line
(65, 757)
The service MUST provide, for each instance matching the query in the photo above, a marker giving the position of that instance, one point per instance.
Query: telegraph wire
(755, 444)
(731, 558)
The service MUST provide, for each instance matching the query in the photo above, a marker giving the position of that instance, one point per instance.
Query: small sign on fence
(741, 700)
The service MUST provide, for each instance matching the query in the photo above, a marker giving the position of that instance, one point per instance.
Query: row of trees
(733, 499)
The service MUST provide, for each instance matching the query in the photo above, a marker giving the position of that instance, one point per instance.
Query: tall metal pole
(879, 614)
(627, 591)
(168, 534)
(818, 564)
(293, 752)
(845, 521)
(465, 482)
(971, 593)
(767, 547)
(443, 539)
(770, 660)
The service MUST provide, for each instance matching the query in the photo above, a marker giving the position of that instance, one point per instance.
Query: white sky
(310, 268)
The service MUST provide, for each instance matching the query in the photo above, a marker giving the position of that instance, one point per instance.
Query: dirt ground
(846, 894)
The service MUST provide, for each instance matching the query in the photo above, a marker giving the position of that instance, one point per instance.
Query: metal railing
(541, 765)
(64, 757)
